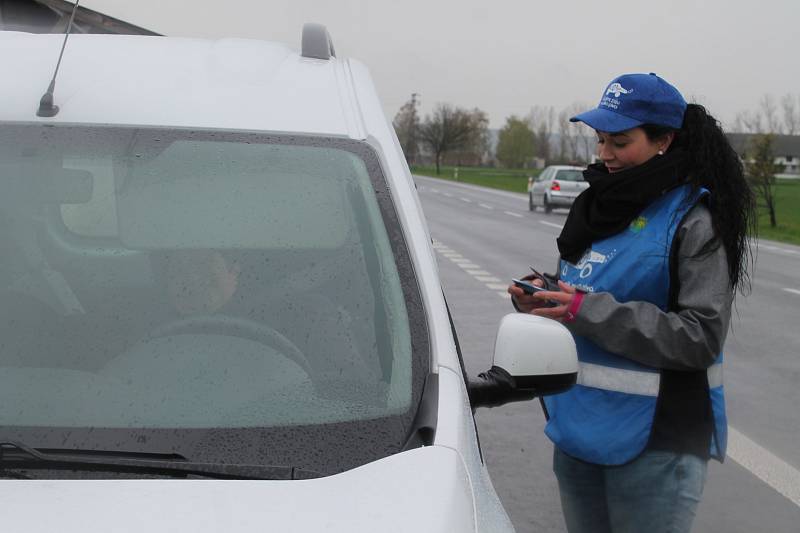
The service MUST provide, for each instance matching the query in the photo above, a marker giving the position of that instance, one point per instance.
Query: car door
(540, 185)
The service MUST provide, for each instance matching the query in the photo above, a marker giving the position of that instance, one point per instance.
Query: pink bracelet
(574, 307)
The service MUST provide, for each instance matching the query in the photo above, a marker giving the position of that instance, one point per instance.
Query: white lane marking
(471, 268)
(522, 196)
(766, 466)
(465, 199)
(772, 248)
(486, 206)
(546, 223)
(793, 291)
(434, 190)
(512, 214)
(447, 194)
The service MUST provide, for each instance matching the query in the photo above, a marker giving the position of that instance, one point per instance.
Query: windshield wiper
(15, 455)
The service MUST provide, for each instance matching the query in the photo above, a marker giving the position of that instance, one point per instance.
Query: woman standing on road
(651, 255)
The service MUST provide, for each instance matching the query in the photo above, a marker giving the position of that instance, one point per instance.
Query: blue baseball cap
(631, 100)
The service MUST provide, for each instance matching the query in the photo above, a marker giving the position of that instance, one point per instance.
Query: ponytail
(714, 165)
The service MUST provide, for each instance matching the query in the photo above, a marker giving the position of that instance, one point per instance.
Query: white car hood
(422, 490)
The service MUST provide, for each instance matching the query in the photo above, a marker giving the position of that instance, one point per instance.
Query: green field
(787, 211)
(516, 180)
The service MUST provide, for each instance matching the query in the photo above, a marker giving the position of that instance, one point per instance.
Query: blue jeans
(658, 492)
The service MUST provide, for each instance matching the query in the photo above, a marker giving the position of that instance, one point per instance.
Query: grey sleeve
(688, 338)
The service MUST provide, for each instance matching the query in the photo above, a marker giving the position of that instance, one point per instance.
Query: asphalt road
(485, 237)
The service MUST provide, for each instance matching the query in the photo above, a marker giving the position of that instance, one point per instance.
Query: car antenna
(46, 106)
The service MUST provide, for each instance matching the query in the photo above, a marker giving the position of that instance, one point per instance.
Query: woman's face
(620, 151)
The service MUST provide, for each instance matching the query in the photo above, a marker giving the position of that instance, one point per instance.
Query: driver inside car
(200, 281)
(212, 282)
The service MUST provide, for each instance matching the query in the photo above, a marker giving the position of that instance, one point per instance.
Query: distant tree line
(460, 136)
(448, 132)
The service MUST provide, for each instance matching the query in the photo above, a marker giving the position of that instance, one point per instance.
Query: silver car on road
(556, 186)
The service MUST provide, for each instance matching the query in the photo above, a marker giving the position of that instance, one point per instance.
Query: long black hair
(715, 165)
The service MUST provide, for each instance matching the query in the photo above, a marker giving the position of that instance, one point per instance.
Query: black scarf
(613, 201)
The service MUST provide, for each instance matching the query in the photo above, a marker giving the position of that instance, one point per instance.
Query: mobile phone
(527, 287)
(550, 282)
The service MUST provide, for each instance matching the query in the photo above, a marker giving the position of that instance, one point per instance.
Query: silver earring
(661, 152)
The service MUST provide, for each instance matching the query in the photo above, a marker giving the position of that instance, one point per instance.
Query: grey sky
(505, 56)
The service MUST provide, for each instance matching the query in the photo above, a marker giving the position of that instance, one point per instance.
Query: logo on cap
(616, 89)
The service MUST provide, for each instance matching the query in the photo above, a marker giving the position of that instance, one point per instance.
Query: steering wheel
(235, 327)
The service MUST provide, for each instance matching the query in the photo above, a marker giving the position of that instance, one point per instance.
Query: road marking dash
(497, 286)
(465, 200)
(512, 214)
(546, 223)
(478, 272)
(447, 194)
(766, 466)
(793, 291)
(487, 279)
(771, 248)
(486, 206)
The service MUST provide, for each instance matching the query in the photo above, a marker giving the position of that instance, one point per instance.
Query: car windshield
(230, 297)
(569, 175)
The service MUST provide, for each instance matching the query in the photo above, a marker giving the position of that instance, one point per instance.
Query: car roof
(238, 84)
(566, 167)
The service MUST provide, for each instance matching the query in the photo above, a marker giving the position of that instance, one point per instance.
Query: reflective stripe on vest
(632, 381)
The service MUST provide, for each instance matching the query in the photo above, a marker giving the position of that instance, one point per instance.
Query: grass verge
(514, 180)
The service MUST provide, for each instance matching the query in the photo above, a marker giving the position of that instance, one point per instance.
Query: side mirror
(533, 356)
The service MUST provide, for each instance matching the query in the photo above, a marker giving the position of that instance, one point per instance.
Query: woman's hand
(525, 303)
(563, 298)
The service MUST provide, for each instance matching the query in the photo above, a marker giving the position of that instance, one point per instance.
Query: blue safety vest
(607, 417)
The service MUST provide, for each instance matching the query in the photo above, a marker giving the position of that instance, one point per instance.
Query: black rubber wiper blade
(15, 455)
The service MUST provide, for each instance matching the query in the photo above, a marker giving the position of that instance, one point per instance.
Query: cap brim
(605, 120)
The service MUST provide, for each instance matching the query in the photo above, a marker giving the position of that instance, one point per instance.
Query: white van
(220, 306)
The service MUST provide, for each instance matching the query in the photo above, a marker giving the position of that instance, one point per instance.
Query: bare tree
(769, 110)
(475, 149)
(575, 137)
(768, 118)
(791, 114)
(761, 170)
(748, 122)
(541, 120)
(447, 128)
(406, 125)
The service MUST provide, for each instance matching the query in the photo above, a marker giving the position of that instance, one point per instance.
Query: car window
(181, 287)
(569, 175)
